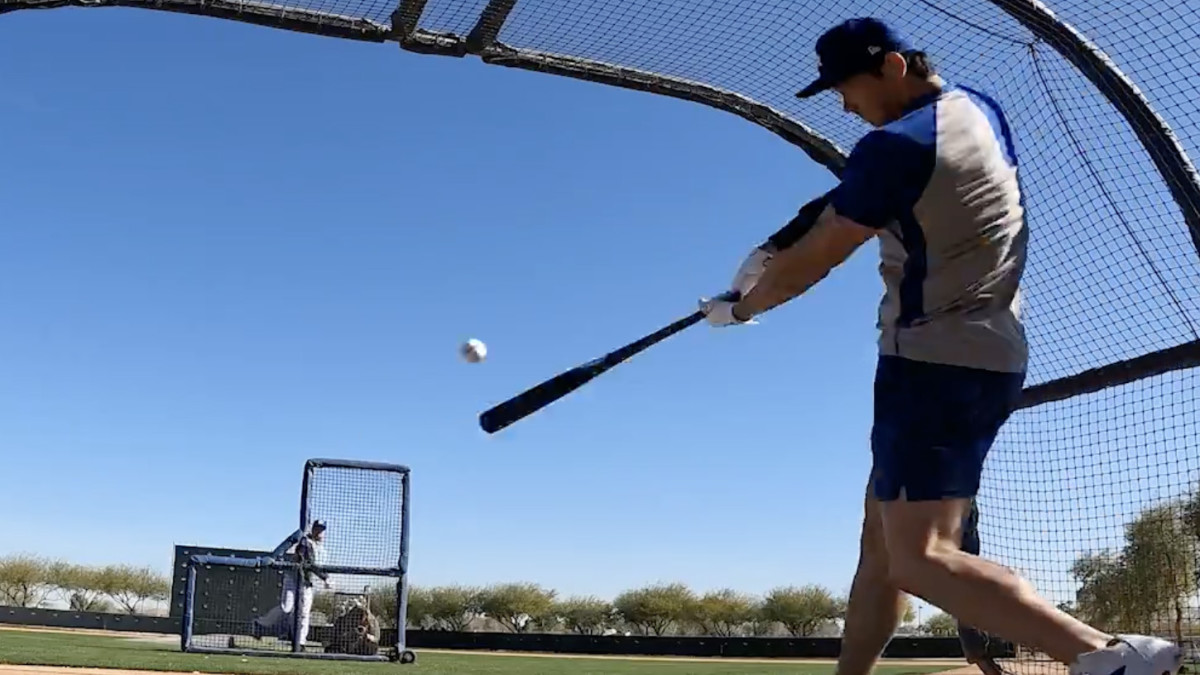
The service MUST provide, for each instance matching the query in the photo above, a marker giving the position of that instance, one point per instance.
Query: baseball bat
(539, 396)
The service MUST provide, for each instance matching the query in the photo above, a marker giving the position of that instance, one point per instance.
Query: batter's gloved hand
(751, 270)
(718, 311)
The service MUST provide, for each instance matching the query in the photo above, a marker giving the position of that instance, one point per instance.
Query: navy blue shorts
(970, 530)
(934, 425)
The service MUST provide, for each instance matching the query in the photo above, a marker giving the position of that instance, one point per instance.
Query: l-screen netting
(362, 509)
(228, 599)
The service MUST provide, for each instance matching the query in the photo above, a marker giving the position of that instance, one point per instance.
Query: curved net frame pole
(1154, 133)
(482, 41)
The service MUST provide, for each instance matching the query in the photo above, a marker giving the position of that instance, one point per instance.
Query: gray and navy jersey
(940, 184)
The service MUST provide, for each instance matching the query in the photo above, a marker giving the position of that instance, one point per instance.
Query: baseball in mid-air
(473, 350)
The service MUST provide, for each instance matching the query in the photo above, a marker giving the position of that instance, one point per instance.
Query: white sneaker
(1131, 655)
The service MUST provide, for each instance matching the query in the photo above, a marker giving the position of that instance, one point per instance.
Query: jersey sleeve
(884, 177)
(799, 226)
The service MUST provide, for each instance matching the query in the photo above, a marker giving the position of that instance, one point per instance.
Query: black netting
(1096, 500)
(457, 16)
(1152, 43)
(254, 609)
(227, 600)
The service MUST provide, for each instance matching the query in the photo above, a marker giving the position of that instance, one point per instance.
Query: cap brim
(819, 85)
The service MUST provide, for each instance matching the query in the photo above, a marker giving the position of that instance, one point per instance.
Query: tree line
(656, 609)
(32, 581)
(1149, 584)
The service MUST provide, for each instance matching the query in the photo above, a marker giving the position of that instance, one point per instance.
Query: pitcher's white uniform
(309, 550)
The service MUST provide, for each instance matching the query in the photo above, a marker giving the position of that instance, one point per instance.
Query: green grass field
(103, 651)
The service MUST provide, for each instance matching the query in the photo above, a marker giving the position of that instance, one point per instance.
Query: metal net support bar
(270, 15)
(816, 146)
(406, 17)
(491, 20)
(1163, 361)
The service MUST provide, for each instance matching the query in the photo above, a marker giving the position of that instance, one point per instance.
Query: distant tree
(1161, 554)
(1191, 513)
(516, 606)
(131, 586)
(325, 603)
(655, 608)
(1147, 585)
(382, 598)
(723, 613)
(452, 608)
(78, 586)
(1105, 597)
(940, 625)
(24, 580)
(585, 615)
(420, 605)
(802, 610)
(909, 614)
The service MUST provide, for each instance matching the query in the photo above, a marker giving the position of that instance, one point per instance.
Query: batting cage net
(1094, 488)
(344, 600)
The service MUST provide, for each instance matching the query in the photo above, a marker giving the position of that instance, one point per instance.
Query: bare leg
(925, 560)
(876, 604)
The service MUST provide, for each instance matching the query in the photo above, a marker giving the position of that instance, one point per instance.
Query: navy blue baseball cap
(852, 47)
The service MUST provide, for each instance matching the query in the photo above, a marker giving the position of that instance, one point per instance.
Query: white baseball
(473, 350)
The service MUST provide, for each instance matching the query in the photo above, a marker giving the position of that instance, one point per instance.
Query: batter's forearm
(794, 270)
(780, 282)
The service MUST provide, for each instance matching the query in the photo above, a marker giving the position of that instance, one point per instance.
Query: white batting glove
(718, 312)
(751, 270)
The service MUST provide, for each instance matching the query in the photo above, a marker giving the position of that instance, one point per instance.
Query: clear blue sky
(231, 249)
